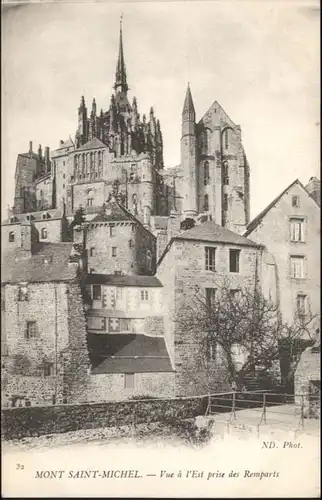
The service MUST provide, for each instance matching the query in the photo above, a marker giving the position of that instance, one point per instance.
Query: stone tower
(189, 158)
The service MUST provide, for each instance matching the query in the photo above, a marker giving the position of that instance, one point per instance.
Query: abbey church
(119, 152)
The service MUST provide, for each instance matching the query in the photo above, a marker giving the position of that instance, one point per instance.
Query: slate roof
(128, 280)
(258, 219)
(114, 212)
(127, 353)
(66, 144)
(94, 143)
(33, 268)
(36, 216)
(212, 232)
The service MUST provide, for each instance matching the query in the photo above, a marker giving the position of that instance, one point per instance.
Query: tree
(239, 334)
(79, 217)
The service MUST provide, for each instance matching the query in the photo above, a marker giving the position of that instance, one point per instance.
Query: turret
(189, 157)
(47, 159)
(82, 122)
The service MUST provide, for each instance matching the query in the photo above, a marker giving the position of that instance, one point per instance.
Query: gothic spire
(188, 106)
(120, 75)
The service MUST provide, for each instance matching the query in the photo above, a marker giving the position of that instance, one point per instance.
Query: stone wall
(307, 372)
(111, 386)
(60, 341)
(21, 422)
(54, 228)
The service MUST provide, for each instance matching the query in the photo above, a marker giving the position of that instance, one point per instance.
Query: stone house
(201, 259)
(289, 229)
(43, 337)
(117, 242)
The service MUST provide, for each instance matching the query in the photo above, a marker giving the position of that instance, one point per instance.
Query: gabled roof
(94, 143)
(114, 211)
(118, 280)
(32, 268)
(127, 353)
(212, 232)
(258, 219)
(222, 112)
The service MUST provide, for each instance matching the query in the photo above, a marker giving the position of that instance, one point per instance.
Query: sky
(258, 59)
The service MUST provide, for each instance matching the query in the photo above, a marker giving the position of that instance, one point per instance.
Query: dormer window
(44, 215)
(12, 220)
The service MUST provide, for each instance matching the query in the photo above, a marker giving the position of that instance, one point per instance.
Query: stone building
(307, 381)
(199, 260)
(43, 337)
(116, 242)
(48, 225)
(289, 229)
(118, 152)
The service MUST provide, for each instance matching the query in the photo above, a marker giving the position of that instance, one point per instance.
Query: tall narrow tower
(120, 75)
(188, 157)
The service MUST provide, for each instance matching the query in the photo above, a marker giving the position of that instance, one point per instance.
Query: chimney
(47, 158)
(30, 146)
(40, 152)
(61, 142)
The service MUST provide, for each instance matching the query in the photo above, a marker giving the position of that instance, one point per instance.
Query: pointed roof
(120, 75)
(188, 102)
(94, 143)
(114, 212)
(258, 219)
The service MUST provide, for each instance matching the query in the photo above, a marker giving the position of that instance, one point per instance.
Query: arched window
(225, 203)
(226, 139)
(206, 173)
(44, 233)
(149, 260)
(206, 203)
(11, 237)
(225, 173)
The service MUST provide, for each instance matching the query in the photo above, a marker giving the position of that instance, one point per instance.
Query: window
(131, 243)
(210, 258)
(48, 369)
(96, 323)
(92, 252)
(11, 237)
(119, 293)
(212, 351)
(210, 296)
(97, 292)
(129, 381)
(149, 260)
(301, 304)
(64, 176)
(225, 174)
(297, 229)
(44, 216)
(297, 266)
(226, 139)
(234, 261)
(206, 173)
(144, 295)
(125, 325)
(90, 202)
(112, 231)
(23, 292)
(295, 201)
(225, 202)
(63, 186)
(114, 251)
(48, 259)
(206, 203)
(43, 233)
(31, 330)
